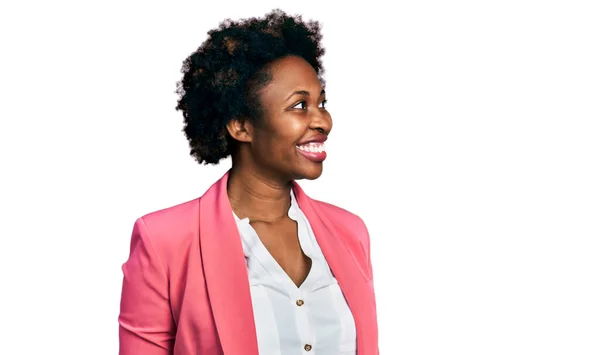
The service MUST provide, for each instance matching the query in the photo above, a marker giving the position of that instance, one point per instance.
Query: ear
(240, 129)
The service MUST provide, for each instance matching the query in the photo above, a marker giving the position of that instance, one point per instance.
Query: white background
(466, 134)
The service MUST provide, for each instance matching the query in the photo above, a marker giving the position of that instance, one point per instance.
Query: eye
(303, 103)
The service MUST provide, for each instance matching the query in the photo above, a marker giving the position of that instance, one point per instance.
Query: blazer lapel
(225, 272)
(336, 242)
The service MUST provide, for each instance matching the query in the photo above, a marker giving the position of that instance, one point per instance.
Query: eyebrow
(304, 92)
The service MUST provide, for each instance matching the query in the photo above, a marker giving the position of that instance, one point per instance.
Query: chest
(281, 241)
(297, 302)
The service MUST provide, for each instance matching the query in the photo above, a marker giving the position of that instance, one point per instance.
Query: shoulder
(350, 225)
(349, 219)
(170, 229)
(172, 216)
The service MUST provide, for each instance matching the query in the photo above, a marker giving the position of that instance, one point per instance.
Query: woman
(254, 266)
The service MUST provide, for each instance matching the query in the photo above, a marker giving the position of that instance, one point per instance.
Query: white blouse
(311, 319)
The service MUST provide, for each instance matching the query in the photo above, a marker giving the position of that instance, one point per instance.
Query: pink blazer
(186, 289)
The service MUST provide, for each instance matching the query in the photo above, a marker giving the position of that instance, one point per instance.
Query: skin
(267, 159)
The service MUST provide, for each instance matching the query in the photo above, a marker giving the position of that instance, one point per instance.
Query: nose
(321, 121)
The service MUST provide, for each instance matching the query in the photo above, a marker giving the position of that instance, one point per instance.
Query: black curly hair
(222, 78)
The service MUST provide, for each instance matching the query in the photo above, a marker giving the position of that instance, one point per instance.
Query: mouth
(314, 151)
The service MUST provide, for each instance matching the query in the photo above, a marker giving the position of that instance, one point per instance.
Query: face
(288, 142)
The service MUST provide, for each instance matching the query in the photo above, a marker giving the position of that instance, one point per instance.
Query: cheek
(291, 129)
(273, 143)
(280, 137)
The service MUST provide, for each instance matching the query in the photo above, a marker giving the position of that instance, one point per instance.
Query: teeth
(312, 147)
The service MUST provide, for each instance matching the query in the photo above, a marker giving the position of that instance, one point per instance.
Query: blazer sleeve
(368, 252)
(366, 239)
(146, 323)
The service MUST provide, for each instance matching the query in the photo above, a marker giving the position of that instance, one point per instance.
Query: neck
(257, 196)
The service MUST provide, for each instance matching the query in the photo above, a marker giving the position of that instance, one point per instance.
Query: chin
(310, 173)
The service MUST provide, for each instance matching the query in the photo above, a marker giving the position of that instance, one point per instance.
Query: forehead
(290, 74)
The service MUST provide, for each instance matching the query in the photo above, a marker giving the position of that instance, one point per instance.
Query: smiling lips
(314, 151)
